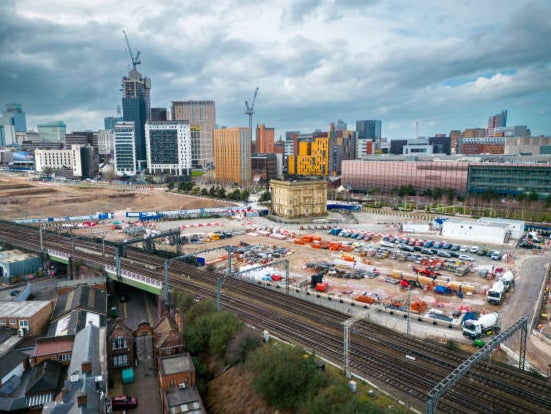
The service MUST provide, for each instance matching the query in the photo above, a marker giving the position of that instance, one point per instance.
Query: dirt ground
(22, 198)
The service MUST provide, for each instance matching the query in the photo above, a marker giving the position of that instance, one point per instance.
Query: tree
(170, 186)
(183, 300)
(221, 192)
(235, 195)
(245, 194)
(212, 191)
(246, 341)
(265, 197)
(335, 397)
(48, 171)
(284, 376)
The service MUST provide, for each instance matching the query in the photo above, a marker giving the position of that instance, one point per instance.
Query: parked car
(496, 255)
(463, 248)
(123, 402)
(443, 253)
(447, 246)
(465, 257)
(455, 247)
(483, 252)
(437, 245)
(474, 249)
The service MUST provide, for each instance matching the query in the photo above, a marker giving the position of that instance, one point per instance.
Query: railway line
(409, 366)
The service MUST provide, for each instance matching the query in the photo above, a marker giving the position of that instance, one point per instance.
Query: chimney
(87, 367)
(82, 399)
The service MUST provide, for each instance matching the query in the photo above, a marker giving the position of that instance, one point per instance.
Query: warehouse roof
(22, 309)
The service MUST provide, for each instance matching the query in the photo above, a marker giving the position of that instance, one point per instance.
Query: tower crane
(135, 59)
(249, 110)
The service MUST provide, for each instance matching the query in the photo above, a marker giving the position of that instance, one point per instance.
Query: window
(65, 357)
(120, 361)
(24, 324)
(119, 342)
(12, 321)
(2, 321)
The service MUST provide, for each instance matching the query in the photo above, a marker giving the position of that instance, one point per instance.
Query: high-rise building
(14, 115)
(369, 129)
(135, 108)
(265, 139)
(497, 121)
(52, 131)
(158, 114)
(313, 156)
(82, 139)
(110, 121)
(168, 147)
(124, 149)
(232, 155)
(368, 137)
(202, 114)
(105, 141)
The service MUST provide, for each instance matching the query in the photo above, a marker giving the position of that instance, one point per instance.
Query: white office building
(64, 159)
(168, 147)
(124, 149)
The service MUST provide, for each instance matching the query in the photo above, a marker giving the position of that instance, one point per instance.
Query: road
(524, 300)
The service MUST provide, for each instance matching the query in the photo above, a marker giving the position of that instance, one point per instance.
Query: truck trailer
(485, 325)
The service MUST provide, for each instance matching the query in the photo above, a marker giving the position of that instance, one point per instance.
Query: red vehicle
(123, 402)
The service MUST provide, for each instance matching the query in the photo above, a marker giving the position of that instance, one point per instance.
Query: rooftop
(22, 309)
(174, 364)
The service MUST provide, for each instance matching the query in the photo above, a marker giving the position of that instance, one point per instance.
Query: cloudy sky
(446, 64)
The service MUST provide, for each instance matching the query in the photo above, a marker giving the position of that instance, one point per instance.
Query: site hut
(299, 197)
(14, 265)
(477, 231)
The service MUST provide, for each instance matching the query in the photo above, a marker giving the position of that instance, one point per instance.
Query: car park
(123, 402)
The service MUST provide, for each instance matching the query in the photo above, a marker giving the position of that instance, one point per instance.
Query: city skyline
(447, 66)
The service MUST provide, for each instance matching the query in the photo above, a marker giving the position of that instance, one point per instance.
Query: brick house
(59, 348)
(120, 346)
(177, 385)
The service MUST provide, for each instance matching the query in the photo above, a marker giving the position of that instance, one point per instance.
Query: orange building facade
(265, 141)
(232, 156)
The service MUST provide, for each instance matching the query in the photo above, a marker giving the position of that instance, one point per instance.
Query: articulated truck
(485, 325)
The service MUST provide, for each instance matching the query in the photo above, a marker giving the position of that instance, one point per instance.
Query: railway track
(376, 353)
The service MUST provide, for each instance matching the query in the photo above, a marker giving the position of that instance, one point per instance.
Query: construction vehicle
(508, 280)
(485, 325)
(495, 293)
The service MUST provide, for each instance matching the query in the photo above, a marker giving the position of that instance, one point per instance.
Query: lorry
(495, 293)
(508, 280)
(485, 325)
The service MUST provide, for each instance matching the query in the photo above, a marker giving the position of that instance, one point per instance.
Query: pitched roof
(48, 346)
(82, 297)
(10, 360)
(46, 377)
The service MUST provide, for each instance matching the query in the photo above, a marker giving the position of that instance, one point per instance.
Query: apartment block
(232, 156)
